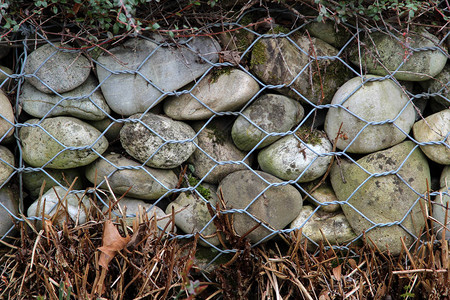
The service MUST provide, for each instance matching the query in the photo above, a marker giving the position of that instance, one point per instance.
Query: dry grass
(102, 259)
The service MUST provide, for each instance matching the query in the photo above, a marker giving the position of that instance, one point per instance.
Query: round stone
(59, 205)
(274, 207)
(217, 92)
(84, 102)
(299, 157)
(384, 199)
(152, 147)
(360, 103)
(385, 53)
(56, 69)
(215, 140)
(435, 128)
(145, 183)
(8, 209)
(45, 143)
(272, 113)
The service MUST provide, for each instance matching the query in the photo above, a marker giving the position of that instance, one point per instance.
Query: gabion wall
(339, 131)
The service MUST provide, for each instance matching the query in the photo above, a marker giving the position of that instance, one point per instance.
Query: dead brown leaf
(112, 242)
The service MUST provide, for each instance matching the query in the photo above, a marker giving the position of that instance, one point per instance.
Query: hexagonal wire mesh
(314, 109)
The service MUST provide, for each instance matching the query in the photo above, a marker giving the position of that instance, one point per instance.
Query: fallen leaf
(112, 243)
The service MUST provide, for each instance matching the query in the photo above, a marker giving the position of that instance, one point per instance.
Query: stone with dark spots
(384, 199)
(386, 52)
(215, 140)
(276, 207)
(151, 149)
(272, 113)
(277, 61)
(40, 147)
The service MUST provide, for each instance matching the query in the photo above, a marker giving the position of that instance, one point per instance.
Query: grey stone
(215, 140)
(375, 101)
(6, 159)
(328, 227)
(6, 117)
(109, 128)
(219, 91)
(435, 128)
(10, 200)
(271, 112)
(61, 71)
(441, 207)
(384, 53)
(276, 207)
(169, 69)
(33, 181)
(134, 209)
(41, 150)
(192, 214)
(141, 143)
(440, 84)
(143, 180)
(384, 199)
(72, 103)
(445, 177)
(329, 32)
(277, 61)
(288, 158)
(58, 205)
(323, 194)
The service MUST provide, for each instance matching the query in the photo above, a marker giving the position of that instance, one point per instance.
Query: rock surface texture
(384, 199)
(150, 71)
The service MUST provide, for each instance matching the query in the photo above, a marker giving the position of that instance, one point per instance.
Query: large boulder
(270, 112)
(384, 199)
(219, 91)
(301, 157)
(56, 69)
(384, 53)
(215, 140)
(150, 148)
(274, 209)
(434, 129)
(145, 183)
(135, 75)
(278, 61)
(84, 102)
(45, 144)
(360, 102)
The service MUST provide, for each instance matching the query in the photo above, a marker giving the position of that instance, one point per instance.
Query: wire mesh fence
(337, 130)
